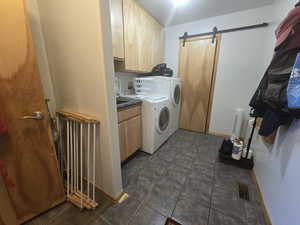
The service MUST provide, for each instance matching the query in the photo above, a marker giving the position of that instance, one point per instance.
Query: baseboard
(266, 214)
(114, 200)
(219, 134)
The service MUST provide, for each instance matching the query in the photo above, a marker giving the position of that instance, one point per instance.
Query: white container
(244, 155)
(237, 124)
(250, 154)
(237, 149)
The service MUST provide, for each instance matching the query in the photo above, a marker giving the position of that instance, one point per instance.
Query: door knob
(34, 116)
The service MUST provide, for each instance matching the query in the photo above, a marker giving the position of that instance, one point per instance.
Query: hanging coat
(272, 90)
(271, 93)
(270, 98)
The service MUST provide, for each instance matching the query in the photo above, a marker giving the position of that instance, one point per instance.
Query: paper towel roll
(238, 123)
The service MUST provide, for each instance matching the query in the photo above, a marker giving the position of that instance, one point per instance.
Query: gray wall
(277, 166)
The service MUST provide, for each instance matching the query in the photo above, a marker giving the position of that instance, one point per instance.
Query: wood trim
(77, 117)
(219, 134)
(266, 214)
(114, 200)
(214, 77)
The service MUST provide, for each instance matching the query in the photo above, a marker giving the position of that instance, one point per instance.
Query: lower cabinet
(122, 137)
(130, 136)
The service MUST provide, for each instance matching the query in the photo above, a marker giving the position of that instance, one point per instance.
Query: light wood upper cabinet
(117, 29)
(143, 39)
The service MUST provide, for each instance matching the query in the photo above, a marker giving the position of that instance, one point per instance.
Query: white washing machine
(156, 118)
(175, 99)
(164, 86)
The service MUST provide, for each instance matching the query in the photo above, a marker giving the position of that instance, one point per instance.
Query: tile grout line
(105, 220)
(212, 191)
(182, 189)
(135, 213)
(178, 197)
(186, 180)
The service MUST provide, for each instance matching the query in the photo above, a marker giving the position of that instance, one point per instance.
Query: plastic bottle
(237, 149)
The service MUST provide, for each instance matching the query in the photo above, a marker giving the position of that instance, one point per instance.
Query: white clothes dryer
(175, 99)
(156, 118)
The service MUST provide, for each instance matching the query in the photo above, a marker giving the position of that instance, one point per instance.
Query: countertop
(129, 102)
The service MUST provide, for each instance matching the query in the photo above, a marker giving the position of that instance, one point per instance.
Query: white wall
(277, 167)
(40, 51)
(79, 47)
(243, 59)
(277, 170)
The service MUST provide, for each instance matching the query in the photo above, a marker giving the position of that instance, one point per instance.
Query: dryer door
(176, 95)
(163, 120)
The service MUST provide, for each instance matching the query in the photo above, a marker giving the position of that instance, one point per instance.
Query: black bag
(227, 147)
(162, 70)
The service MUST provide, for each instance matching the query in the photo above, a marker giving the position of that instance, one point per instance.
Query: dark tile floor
(183, 180)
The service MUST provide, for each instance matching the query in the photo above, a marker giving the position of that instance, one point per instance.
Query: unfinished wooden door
(197, 62)
(7, 213)
(27, 149)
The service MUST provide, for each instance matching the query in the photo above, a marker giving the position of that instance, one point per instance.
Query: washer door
(176, 95)
(163, 120)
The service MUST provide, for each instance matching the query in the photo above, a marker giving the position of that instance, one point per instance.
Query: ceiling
(167, 14)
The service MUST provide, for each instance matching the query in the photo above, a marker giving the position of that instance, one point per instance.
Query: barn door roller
(216, 31)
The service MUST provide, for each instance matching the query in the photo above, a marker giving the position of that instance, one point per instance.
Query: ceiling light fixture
(179, 2)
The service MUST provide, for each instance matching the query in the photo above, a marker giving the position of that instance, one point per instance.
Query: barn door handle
(34, 116)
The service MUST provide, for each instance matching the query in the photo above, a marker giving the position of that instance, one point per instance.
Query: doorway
(198, 59)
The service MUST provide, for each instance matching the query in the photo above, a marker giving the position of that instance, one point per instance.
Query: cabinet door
(123, 142)
(117, 28)
(133, 134)
(130, 137)
(143, 38)
(132, 36)
(158, 43)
